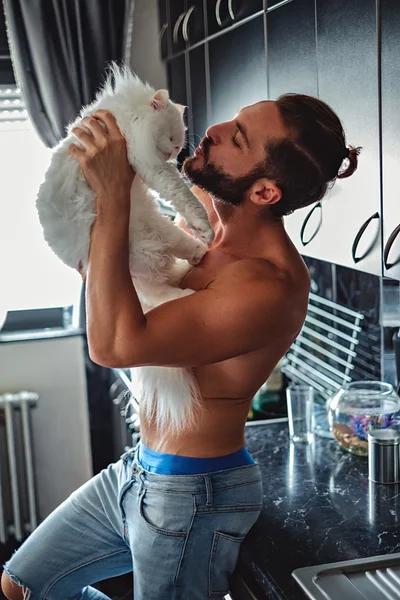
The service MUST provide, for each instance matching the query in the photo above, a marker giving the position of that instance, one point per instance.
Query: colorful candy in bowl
(359, 407)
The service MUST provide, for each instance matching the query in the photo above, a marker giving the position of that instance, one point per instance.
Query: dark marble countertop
(319, 507)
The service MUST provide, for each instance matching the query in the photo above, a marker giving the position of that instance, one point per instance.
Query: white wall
(145, 56)
(55, 369)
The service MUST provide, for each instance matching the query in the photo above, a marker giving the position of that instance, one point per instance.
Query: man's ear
(264, 192)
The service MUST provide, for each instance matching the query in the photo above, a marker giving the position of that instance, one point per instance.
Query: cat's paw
(199, 250)
(201, 228)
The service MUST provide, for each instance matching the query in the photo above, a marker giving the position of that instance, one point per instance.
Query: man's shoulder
(261, 272)
(264, 287)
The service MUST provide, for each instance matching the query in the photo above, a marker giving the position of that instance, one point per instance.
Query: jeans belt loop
(207, 481)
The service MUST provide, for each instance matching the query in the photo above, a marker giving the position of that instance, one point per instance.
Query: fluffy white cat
(154, 130)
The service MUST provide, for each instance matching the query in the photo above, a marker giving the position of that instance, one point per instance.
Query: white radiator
(18, 509)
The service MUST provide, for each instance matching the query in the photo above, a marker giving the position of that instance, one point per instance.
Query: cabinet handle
(305, 222)
(359, 236)
(217, 12)
(231, 11)
(162, 32)
(186, 23)
(388, 247)
(176, 28)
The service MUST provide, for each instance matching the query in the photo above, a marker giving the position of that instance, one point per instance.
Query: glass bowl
(359, 407)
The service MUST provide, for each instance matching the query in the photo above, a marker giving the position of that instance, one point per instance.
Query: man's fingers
(85, 138)
(74, 149)
(95, 126)
(109, 120)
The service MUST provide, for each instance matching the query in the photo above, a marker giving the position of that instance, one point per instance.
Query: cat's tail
(169, 396)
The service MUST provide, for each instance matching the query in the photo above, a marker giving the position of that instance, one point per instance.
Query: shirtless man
(176, 509)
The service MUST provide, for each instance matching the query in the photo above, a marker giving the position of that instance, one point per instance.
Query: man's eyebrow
(242, 130)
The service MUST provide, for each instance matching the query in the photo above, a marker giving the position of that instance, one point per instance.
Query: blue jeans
(180, 534)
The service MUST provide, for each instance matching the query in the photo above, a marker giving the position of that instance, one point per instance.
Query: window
(31, 276)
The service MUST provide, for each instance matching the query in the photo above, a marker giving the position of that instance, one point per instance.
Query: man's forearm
(114, 312)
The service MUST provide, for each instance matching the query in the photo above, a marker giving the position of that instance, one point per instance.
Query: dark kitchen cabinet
(6, 68)
(291, 49)
(238, 74)
(177, 13)
(163, 28)
(176, 70)
(347, 53)
(193, 29)
(224, 13)
(273, 4)
(186, 22)
(390, 19)
(292, 67)
(199, 117)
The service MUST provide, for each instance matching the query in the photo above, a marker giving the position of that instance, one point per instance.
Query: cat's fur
(154, 131)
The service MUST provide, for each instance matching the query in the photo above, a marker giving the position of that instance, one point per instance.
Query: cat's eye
(170, 139)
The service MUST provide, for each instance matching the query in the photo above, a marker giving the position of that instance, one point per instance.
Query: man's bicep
(206, 327)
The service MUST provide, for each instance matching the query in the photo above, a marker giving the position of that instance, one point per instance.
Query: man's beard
(216, 182)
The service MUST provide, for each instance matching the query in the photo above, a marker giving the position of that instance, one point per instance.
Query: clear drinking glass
(300, 400)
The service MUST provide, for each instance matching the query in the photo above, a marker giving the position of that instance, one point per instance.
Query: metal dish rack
(324, 352)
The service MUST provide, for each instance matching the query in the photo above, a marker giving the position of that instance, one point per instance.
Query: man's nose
(215, 132)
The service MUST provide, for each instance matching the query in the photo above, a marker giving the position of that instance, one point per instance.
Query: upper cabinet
(177, 13)
(224, 13)
(390, 19)
(185, 23)
(292, 67)
(222, 55)
(193, 25)
(347, 54)
(188, 85)
(291, 49)
(199, 117)
(163, 28)
(178, 92)
(238, 74)
(6, 69)
(332, 53)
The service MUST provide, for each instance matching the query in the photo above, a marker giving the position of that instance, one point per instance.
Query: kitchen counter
(40, 334)
(319, 507)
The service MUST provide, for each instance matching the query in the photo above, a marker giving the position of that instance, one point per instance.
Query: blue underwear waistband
(171, 464)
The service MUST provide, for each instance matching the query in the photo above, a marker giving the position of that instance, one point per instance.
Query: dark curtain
(60, 50)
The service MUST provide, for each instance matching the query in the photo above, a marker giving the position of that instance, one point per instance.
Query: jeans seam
(191, 491)
(186, 542)
(233, 508)
(80, 567)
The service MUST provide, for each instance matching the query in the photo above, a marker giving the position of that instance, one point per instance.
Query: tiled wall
(378, 300)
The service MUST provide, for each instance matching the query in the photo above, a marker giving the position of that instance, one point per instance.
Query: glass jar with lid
(359, 407)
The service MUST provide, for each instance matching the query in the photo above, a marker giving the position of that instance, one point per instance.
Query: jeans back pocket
(224, 555)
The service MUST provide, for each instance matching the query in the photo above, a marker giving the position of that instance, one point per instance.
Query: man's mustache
(205, 146)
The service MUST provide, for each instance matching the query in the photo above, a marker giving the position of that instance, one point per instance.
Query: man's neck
(245, 231)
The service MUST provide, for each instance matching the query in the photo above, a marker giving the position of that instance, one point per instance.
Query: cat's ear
(181, 108)
(160, 100)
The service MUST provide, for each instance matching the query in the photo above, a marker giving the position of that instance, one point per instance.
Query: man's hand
(103, 158)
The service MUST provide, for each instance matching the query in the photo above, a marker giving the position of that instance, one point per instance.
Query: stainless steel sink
(376, 578)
